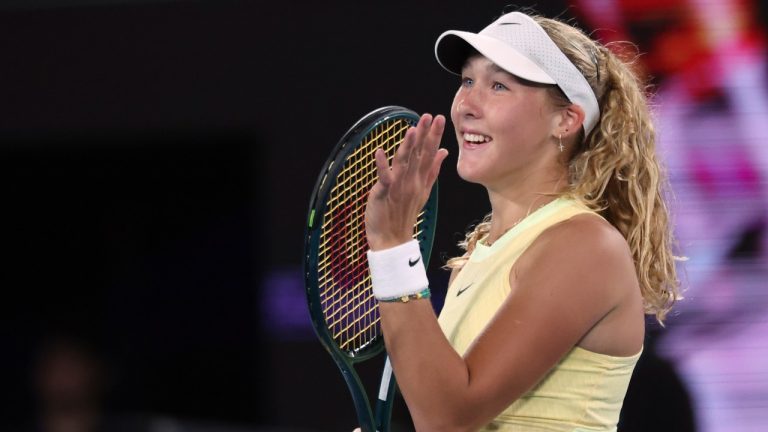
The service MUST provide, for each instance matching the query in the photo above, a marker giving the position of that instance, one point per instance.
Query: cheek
(455, 104)
(523, 122)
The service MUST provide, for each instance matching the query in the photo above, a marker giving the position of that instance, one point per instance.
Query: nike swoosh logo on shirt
(458, 293)
(412, 263)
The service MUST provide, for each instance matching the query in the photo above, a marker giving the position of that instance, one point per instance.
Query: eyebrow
(491, 66)
(494, 68)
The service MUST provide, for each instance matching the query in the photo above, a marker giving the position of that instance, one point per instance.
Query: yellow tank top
(585, 390)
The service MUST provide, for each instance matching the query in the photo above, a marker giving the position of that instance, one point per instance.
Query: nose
(467, 103)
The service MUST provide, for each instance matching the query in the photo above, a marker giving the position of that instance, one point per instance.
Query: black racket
(344, 312)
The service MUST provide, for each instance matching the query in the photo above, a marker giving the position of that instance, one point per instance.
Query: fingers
(425, 124)
(402, 157)
(436, 131)
(429, 132)
(382, 170)
(418, 159)
(431, 142)
(434, 169)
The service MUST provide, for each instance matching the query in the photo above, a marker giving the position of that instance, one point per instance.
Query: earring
(560, 145)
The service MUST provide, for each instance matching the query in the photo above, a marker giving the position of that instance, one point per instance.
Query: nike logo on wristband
(458, 293)
(412, 263)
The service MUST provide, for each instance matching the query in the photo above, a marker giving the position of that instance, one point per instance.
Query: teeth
(476, 138)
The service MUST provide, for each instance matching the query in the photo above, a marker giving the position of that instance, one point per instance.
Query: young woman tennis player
(544, 316)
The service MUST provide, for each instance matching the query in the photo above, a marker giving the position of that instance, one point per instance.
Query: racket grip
(386, 396)
(385, 379)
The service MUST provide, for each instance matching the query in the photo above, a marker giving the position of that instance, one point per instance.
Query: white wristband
(398, 271)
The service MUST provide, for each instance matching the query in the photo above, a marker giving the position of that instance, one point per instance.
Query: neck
(509, 206)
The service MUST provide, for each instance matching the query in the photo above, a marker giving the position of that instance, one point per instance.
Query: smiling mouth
(471, 138)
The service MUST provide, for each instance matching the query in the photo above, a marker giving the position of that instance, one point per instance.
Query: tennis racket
(344, 312)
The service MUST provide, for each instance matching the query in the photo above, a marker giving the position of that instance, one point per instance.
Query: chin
(468, 175)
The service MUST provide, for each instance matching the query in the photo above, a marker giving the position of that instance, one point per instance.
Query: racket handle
(385, 380)
(386, 396)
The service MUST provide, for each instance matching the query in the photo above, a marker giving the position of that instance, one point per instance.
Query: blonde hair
(615, 171)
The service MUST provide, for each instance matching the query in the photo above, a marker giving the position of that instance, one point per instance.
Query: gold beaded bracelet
(423, 294)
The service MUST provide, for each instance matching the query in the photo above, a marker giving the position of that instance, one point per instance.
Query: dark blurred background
(157, 158)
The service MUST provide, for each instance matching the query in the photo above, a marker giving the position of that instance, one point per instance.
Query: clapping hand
(403, 188)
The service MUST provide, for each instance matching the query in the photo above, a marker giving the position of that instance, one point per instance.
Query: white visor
(517, 44)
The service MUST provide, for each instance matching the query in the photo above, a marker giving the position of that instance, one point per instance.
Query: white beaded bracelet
(397, 272)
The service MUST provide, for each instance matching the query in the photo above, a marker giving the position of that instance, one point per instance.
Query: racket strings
(346, 297)
(361, 260)
(359, 172)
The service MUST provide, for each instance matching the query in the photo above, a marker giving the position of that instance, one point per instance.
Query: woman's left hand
(403, 189)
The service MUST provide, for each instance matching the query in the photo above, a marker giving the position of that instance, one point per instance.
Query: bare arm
(559, 296)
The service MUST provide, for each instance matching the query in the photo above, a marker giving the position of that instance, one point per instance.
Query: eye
(499, 86)
(467, 82)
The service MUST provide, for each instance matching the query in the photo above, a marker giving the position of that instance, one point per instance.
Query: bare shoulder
(587, 252)
(596, 272)
(587, 232)
(587, 239)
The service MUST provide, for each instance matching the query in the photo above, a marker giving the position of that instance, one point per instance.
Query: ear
(570, 121)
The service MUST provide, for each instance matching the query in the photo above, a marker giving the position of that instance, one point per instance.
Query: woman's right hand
(402, 188)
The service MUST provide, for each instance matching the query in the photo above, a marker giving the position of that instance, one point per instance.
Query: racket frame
(368, 420)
